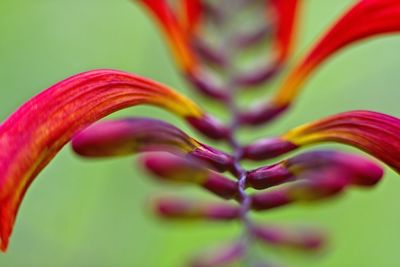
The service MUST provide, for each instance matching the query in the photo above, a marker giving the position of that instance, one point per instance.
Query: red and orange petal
(174, 33)
(286, 12)
(34, 134)
(365, 19)
(372, 132)
(375, 133)
(191, 15)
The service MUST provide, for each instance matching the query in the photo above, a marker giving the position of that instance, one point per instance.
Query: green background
(93, 213)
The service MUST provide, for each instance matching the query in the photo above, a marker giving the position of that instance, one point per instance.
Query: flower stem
(230, 52)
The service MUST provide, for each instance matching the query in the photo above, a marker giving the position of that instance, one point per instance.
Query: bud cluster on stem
(213, 42)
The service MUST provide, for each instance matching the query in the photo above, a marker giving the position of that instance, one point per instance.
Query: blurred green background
(93, 213)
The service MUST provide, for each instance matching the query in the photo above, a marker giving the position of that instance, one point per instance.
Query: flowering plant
(208, 45)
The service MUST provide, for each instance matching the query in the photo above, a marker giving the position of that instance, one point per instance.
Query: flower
(367, 18)
(373, 132)
(33, 135)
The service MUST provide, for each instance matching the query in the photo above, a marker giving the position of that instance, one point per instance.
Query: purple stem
(233, 87)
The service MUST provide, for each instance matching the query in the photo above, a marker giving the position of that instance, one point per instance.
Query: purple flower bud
(208, 54)
(128, 136)
(255, 78)
(216, 159)
(220, 256)
(261, 114)
(269, 176)
(249, 39)
(321, 185)
(221, 186)
(182, 208)
(186, 170)
(358, 170)
(362, 171)
(304, 239)
(269, 200)
(267, 148)
(317, 186)
(209, 126)
(207, 86)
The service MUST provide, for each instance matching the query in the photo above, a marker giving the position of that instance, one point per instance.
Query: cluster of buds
(221, 48)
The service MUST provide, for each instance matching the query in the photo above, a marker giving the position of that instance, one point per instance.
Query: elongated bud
(323, 184)
(127, 136)
(209, 54)
(270, 200)
(360, 171)
(317, 186)
(261, 114)
(186, 209)
(251, 38)
(255, 78)
(220, 256)
(303, 239)
(186, 170)
(269, 176)
(267, 148)
(209, 126)
(207, 85)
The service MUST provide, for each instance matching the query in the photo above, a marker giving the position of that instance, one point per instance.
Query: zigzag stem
(230, 68)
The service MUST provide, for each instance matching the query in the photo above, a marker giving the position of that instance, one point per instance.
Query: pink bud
(268, 176)
(304, 239)
(209, 126)
(188, 170)
(209, 87)
(267, 148)
(180, 208)
(220, 256)
(316, 186)
(255, 78)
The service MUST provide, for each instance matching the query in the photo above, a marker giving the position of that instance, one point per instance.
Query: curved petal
(174, 32)
(375, 133)
(180, 44)
(192, 11)
(34, 134)
(365, 19)
(286, 16)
